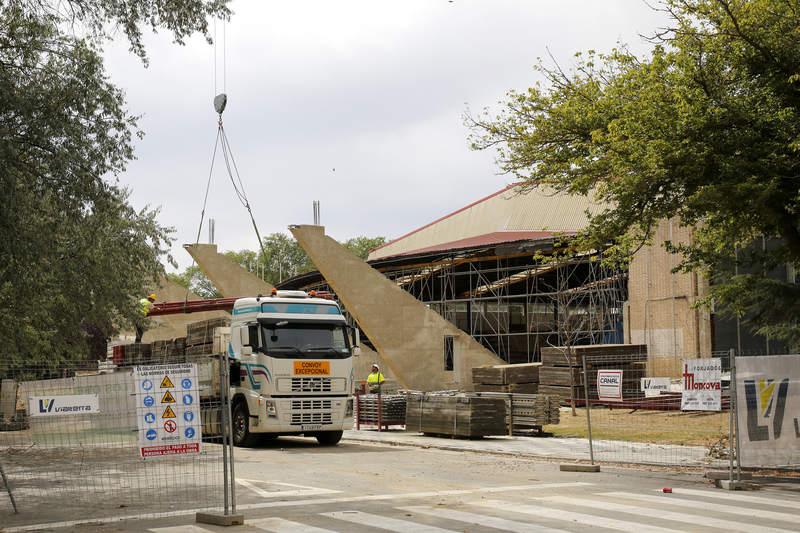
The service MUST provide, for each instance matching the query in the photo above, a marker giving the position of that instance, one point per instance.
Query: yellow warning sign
(168, 398)
(168, 413)
(166, 383)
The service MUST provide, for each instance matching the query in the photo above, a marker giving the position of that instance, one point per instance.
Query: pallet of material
(168, 350)
(132, 354)
(620, 353)
(515, 388)
(456, 415)
(202, 332)
(392, 408)
(200, 349)
(506, 374)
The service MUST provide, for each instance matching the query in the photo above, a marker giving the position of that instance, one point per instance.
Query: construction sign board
(653, 387)
(75, 404)
(702, 385)
(768, 400)
(168, 409)
(609, 385)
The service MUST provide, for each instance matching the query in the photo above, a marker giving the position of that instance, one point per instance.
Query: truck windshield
(309, 341)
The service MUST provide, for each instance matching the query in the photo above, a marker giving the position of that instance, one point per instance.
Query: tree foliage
(705, 129)
(75, 256)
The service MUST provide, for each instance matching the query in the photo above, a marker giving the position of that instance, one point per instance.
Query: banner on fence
(653, 387)
(168, 409)
(768, 400)
(609, 385)
(73, 404)
(702, 385)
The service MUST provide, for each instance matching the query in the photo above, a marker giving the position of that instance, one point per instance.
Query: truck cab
(291, 368)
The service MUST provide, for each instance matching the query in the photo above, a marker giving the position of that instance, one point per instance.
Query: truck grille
(308, 405)
(311, 418)
(311, 384)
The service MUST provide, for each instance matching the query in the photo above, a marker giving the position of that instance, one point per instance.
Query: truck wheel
(329, 438)
(241, 426)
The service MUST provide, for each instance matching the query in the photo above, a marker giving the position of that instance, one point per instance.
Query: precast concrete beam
(409, 337)
(227, 276)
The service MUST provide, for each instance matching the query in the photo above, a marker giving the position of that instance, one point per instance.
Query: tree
(76, 256)
(705, 129)
(362, 246)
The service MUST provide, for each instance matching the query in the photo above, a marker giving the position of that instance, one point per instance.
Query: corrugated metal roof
(507, 210)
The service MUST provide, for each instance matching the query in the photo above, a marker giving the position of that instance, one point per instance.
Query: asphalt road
(295, 485)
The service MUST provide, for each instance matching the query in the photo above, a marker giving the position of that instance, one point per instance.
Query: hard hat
(152, 296)
(375, 365)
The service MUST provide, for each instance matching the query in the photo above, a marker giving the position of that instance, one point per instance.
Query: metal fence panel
(70, 448)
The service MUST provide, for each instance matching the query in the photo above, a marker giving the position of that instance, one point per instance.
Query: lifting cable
(221, 141)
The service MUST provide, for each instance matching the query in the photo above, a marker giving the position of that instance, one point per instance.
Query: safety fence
(77, 442)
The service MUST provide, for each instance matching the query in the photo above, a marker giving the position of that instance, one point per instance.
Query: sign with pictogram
(168, 398)
(174, 387)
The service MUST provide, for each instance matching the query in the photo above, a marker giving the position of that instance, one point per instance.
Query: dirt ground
(658, 427)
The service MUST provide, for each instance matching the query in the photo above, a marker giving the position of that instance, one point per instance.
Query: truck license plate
(311, 427)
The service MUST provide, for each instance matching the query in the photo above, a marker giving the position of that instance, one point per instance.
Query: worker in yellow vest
(144, 309)
(375, 379)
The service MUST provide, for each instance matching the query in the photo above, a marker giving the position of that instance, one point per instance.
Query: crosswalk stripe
(179, 529)
(648, 513)
(482, 520)
(706, 506)
(384, 522)
(580, 518)
(744, 498)
(279, 525)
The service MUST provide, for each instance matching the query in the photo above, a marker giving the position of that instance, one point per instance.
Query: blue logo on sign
(188, 416)
(187, 399)
(151, 434)
(189, 433)
(147, 384)
(149, 418)
(186, 383)
(149, 401)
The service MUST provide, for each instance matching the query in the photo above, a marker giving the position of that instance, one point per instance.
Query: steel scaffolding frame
(518, 303)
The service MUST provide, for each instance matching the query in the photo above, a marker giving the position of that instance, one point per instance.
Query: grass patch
(657, 427)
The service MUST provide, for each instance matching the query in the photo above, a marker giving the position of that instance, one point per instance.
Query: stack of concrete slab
(520, 378)
(132, 354)
(563, 368)
(200, 335)
(168, 350)
(455, 414)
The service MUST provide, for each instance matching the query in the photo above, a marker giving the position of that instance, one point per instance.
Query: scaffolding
(513, 303)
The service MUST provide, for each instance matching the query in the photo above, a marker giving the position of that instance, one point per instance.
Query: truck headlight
(271, 409)
(348, 410)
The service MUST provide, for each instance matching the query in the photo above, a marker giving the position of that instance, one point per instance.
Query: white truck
(291, 368)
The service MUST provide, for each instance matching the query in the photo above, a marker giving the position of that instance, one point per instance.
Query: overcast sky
(375, 89)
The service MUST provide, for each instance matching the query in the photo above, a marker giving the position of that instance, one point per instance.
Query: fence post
(588, 407)
(735, 411)
(223, 414)
(227, 388)
(8, 488)
(731, 415)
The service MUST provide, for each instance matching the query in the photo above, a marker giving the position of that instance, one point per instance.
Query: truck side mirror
(356, 340)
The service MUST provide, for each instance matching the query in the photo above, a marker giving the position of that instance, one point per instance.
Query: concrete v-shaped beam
(227, 276)
(409, 336)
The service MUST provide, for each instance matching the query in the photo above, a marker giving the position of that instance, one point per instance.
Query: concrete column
(409, 336)
(227, 276)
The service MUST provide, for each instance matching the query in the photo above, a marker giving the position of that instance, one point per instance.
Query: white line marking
(706, 506)
(180, 529)
(293, 503)
(308, 491)
(725, 495)
(482, 520)
(385, 522)
(569, 516)
(648, 513)
(279, 525)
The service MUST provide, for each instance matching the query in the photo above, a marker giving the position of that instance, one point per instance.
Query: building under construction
(500, 270)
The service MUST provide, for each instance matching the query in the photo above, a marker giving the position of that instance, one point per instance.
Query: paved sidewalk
(549, 448)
